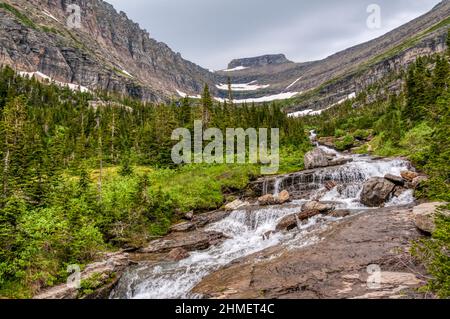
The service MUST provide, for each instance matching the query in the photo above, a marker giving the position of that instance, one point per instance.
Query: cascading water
(246, 230)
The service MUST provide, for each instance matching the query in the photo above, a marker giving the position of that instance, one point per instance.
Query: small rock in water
(287, 223)
(316, 158)
(267, 200)
(268, 234)
(330, 185)
(399, 190)
(307, 214)
(398, 180)
(317, 206)
(235, 205)
(283, 197)
(178, 254)
(408, 175)
(339, 213)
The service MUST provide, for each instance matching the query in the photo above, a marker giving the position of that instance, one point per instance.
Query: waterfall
(245, 230)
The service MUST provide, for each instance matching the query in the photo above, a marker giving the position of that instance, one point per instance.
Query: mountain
(112, 53)
(109, 52)
(320, 84)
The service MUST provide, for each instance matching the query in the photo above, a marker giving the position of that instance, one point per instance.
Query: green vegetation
(434, 254)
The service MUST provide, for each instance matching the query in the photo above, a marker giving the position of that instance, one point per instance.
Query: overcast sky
(213, 32)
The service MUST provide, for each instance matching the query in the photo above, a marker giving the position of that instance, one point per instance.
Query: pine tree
(207, 106)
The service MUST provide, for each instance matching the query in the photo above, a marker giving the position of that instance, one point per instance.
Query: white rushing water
(245, 230)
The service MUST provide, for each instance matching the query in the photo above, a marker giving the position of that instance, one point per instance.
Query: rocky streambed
(312, 234)
(341, 229)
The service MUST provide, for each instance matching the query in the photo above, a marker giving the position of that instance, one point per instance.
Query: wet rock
(425, 215)
(195, 240)
(408, 175)
(283, 197)
(419, 180)
(330, 185)
(178, 254)
(268, 234)
(316, 158)
(340, 213)
(106, 273)
(399, 190)
(287, 223)
(327, 141)
(398, 180)
(376, 191)
(317, 206)
(334, 267)
(267, 200)
(340, 161)
(235, 205)
(307, 214)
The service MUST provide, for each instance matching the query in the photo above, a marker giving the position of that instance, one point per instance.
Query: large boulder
(316, 158)
(425, 215)
(317, 206)
(376, 191)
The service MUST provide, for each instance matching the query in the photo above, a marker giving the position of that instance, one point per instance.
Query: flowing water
(245, 230)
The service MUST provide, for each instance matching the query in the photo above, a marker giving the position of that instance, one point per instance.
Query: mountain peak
(270, 59)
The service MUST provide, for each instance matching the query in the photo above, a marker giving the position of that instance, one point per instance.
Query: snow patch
(50, 15)
(41, 76)
(238, 68)
(183, 95)
(242, 87)
(293, 83)
(310, 112)
(269, 98)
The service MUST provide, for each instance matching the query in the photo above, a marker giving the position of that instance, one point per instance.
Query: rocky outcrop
(425, 216)
(376, 192)
(319, 158)
(102, 276)
(335, 267)
(272, 59)
(108, 52)
(190, 241)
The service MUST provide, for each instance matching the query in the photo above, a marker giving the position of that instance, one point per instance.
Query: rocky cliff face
(264, 60)
(108, 52)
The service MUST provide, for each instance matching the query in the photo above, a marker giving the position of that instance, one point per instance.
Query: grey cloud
(212, 32)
